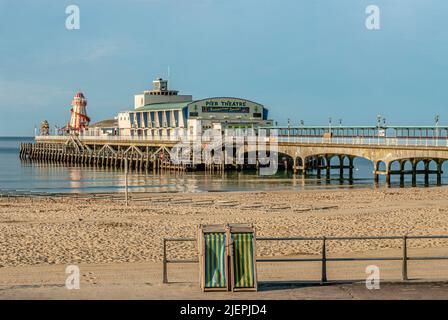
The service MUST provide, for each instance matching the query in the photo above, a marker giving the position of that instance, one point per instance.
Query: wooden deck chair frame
(202, 231)
(236, 229)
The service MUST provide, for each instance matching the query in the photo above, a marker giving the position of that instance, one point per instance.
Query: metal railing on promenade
(404, 258)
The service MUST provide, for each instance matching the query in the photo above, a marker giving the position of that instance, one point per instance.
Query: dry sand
(119, 248)
(69, 231)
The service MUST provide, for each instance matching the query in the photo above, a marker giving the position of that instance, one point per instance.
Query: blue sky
(307, 60)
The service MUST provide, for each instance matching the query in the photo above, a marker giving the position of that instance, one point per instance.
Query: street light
(437, 118)
(378, 123)
(289, 128)
(302, 124)
(329, 125)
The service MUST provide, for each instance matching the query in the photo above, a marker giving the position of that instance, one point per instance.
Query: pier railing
(402, 142)
(429, 142)
(323, 259)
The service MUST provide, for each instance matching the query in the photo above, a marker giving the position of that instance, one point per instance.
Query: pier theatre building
(162, 113)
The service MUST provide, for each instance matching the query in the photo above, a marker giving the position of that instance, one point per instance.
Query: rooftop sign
(225, 105)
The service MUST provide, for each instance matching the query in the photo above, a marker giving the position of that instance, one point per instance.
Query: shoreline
(338, 188)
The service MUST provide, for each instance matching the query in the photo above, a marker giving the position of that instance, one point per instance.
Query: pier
(304, 150)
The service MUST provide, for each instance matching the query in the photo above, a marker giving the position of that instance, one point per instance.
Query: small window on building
(257, 115)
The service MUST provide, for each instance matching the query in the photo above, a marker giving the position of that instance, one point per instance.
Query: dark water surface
(43, 177)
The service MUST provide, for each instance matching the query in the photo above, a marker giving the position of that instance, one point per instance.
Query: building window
(194, 114)
(257, 115)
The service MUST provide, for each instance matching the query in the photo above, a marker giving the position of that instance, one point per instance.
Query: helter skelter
(78, 117)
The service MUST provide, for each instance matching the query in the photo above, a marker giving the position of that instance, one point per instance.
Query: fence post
(324, 261)
(405, 259)
(165, 271)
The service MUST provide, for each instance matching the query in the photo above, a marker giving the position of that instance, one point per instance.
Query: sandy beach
(119, 248)
(62, 231)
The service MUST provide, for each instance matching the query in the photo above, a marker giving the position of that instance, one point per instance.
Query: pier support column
(350, 167)
(388, 177)
(427, 162)
(328, 166)
(439, 172)
(341, 167)
(294, 165)
(414, 172)
(376, 176)
(402, 167)
(318, 164)
(303, 166)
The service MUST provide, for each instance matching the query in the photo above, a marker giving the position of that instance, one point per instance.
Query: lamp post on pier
(289, 129)
(378, 125)
(437, 118)
(340, 131)
(329, 125)
(302, 130)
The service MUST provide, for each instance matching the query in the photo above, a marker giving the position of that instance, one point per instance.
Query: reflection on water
(45, 177)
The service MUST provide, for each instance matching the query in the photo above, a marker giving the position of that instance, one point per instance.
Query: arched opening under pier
(427, 171)
(346, 167)
(328, 165)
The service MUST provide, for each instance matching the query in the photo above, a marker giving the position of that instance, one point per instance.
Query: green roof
(105, 123)
(162, 106)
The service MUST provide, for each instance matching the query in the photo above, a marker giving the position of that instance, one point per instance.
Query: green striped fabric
(243, 262)
(215, 255)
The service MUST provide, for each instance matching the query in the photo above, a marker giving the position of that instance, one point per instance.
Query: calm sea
(42, 177)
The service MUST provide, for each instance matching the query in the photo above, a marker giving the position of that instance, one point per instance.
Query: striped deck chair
(243, 260)
(215, 258)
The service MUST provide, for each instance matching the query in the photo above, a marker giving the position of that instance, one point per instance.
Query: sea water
(19, 175)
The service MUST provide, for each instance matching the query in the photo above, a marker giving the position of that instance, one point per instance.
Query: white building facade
(162, 113)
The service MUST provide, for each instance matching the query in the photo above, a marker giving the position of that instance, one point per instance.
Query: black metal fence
(323, 259)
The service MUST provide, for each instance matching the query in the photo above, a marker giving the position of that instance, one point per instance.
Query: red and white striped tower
(78, 118)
